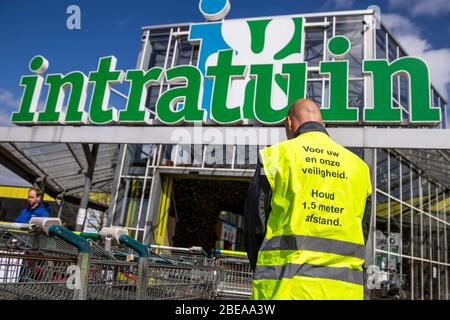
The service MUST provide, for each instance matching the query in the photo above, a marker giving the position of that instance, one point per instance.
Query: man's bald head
(301, 111)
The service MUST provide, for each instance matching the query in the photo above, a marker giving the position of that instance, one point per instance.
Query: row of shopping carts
(43, 260)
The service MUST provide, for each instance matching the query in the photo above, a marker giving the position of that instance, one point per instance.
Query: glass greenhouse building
(181, 195)
(411, 205)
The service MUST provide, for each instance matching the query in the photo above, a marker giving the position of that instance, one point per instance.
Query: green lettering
(223, 73)
(32, 90)
(338, 111)
(168, 108)
(296, 72)
(99, 112)
(140, 81)
(58, 83)
(383, 72)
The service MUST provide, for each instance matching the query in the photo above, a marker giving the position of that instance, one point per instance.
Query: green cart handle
(79, 242)
(141, 249)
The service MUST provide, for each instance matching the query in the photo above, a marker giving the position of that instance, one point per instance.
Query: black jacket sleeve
(366, 218)
(256, 213)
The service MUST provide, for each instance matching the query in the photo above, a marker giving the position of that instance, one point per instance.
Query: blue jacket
(42, 210)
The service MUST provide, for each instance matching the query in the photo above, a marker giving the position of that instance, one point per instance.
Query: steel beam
(91, 157)
(362, 137)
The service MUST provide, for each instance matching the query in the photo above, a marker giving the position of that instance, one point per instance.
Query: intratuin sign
(246, 69)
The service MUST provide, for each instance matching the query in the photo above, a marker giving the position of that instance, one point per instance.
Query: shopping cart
(112, 280)
(35, 258)
(178, 255)
(235, 280)
(189, 275)
(43, 260)
(148, 276)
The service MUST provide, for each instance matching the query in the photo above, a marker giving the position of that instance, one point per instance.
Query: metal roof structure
(435, 163)
(60, 168)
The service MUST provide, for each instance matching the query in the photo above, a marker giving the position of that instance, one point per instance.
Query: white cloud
(422, 7)
(399, 24)
(339, 4)
(8, 104)
(7, 99)
(409, 36)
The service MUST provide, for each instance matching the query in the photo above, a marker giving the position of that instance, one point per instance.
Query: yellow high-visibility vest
(314, 244)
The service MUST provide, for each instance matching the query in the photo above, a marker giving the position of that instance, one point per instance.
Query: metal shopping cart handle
(141, 249)
(79, 242)
(194, 249)
(18, 226)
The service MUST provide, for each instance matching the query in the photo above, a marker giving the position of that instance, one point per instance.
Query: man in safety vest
(306, 216)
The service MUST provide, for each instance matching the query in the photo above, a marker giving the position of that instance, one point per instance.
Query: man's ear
(288, 127)
(289, 123)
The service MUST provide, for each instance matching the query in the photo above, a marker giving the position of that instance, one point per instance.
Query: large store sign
(246, 69)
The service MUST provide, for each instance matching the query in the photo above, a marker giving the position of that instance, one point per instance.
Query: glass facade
(410, 223)
(168, 47)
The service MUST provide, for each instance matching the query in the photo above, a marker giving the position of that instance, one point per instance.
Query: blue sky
(113, 27)
(28, 28)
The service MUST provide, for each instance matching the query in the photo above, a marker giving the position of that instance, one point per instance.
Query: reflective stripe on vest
(314, 244)
(291, 270)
